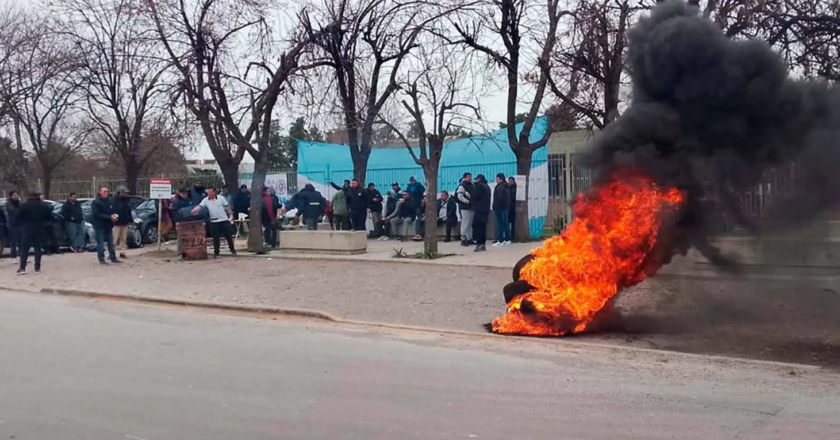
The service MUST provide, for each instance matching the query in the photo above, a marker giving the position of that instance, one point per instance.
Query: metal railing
(567, 179)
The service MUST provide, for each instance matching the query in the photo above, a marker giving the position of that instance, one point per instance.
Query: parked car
(59, 230)
(146, 218)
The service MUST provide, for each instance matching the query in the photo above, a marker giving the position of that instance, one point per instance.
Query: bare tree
(364, 43)
(46, 109)
(439, 88)
(233, 100)
(586, 72)
(807, 33)
(15, 38)
(121, 74)
(514, 22)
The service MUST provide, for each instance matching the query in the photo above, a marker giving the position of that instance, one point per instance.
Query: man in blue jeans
(501, 207)
(103, 224)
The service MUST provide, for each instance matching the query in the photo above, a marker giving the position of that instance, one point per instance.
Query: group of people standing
(28, 224)
(474, 203)
(351, 203)
(473, 199)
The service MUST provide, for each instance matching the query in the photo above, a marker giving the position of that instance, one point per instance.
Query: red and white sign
(160, 189)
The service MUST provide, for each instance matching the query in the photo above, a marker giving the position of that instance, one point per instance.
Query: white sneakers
(501, 243)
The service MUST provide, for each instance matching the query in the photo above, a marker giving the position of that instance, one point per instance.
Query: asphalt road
(95, 370)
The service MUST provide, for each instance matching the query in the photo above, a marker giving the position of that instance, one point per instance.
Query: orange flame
(608, 247)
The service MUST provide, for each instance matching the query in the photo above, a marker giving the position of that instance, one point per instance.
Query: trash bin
(192, 239)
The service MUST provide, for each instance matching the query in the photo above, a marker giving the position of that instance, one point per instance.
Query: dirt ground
(792, 321)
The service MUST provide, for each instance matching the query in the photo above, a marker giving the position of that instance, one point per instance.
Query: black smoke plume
(712, 115)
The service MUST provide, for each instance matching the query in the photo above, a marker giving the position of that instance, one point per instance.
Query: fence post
(93, 190)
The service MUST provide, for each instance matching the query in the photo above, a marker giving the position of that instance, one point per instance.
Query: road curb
(319, 315)
(313, 314)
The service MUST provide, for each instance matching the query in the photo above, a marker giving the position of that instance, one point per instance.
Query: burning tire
(516, 288)
(611, 245)
(519, 265)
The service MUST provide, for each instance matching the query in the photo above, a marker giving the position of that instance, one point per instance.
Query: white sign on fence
(276, 181)
(160, 189)
(521, 181)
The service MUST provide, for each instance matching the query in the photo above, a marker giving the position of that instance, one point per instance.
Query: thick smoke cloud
(710, 115)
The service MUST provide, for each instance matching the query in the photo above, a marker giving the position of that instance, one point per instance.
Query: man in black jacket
(121, 206)
(241, 205)
(11, 208)
(357, 202)
(481, 207)
(71, 212)
(448, 214)
(33, 217)
(375, 209)
(103, 224)
(501, 209)
(310, 205)
(197, 193)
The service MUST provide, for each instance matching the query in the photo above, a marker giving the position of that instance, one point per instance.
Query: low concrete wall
(324, 242)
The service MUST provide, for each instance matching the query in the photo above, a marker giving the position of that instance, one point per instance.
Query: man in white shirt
(220, 215)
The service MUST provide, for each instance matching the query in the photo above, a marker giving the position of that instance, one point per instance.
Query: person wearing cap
(395, 187)
(197, 193)
(416, 190)
(375, 198)
(404, 214)
(390, 208)
(358, 202)
(463, 197)
(122, 209)
(481, 207)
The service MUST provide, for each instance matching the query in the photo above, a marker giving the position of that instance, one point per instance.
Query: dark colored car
(146, 219)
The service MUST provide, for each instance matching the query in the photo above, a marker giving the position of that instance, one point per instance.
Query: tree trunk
(523, 225)
(230, 171)
(611, 101)
(360, 162)
(22, 176)
(132, 173)
(430, 171)
(255, 226)
(47, 175)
